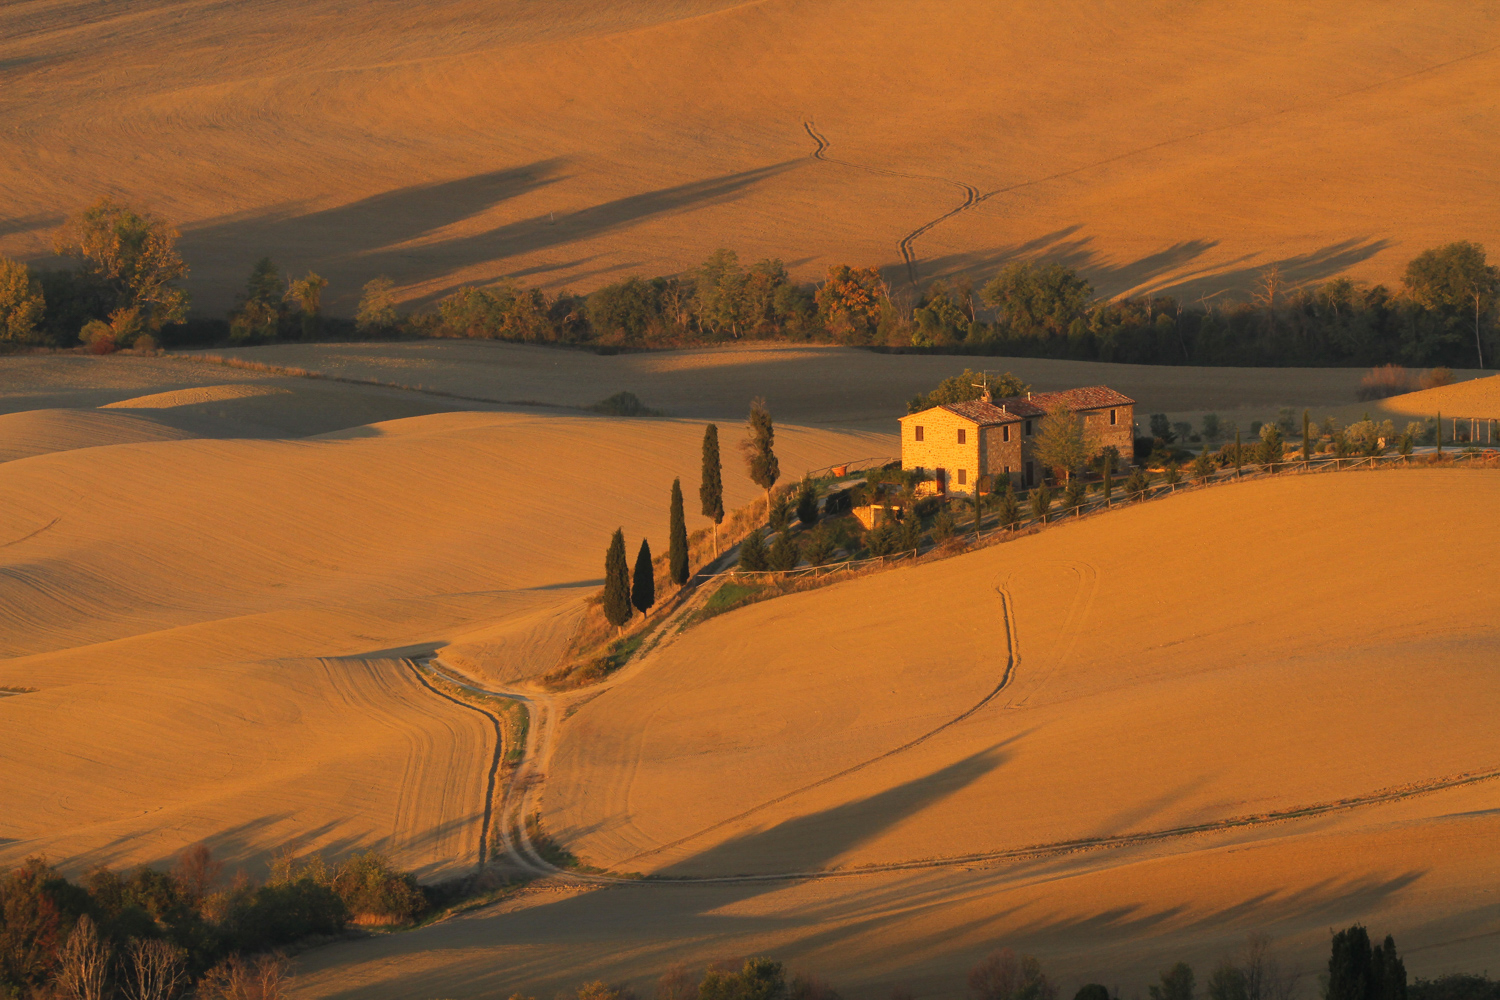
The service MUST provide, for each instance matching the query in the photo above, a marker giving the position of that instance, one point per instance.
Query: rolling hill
(1170, 145)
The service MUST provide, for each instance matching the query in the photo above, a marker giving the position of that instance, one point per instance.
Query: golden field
(1117, 743)
(1158, 146)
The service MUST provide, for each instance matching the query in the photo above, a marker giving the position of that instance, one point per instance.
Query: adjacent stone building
(961, 444)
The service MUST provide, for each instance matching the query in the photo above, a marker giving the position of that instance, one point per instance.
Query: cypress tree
(1238, 458)
(1306, 436)
(760, 455)
(1440, 433)
(643, 589)
(711, 491)
(677, 541)
(616, 582)
(1107, 485)
(978, 513)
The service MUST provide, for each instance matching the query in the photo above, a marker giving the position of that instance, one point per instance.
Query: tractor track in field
(518, 800)
(972, 197)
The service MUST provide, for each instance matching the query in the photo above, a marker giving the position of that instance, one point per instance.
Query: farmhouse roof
(1004, 411)
(981, 411)
(1089, 397)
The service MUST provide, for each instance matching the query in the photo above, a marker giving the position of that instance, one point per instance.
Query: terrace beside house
(964, 445)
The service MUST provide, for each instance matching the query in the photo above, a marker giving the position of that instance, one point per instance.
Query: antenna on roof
(985, 385)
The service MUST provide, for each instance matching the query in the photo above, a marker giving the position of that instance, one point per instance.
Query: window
(919, 432)
(963, 474)
(1027, 431)
(1112, 416)
(1005, 433)
(1007, 470)
(962, 439)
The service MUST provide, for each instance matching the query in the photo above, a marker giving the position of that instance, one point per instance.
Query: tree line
(123, 287)
(152, 934)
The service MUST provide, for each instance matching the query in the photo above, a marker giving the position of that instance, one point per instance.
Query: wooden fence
(1314, 466)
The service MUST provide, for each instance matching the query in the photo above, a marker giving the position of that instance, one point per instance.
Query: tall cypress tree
(616, 582)
(1440, 433)
(760, 455)
(677, 542)
(711, 492)
(643, 590)
(1306, 436)
(1239, 458)
(1349, 965)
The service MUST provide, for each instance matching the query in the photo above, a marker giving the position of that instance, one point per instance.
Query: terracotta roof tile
(980, 412)
(1090, 397)
(1004, 411)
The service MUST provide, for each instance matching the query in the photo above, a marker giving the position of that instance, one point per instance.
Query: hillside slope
(1301, 656)
(1178, 663)
(1164, 145)
(214, 627)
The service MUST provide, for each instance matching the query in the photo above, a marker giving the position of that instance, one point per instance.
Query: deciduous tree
(849, 303)
(307, 292)
(134, 255)
(21, 302)
(376, 314)
(1060, 442)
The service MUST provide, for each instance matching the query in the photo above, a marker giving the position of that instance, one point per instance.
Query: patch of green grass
(732, 595)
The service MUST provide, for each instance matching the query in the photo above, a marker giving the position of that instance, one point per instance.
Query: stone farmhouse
(962, 444)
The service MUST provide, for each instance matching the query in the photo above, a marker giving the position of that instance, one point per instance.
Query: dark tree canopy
(966, 386)
(1449, 277)
(711, 492)
(616, 581)
(643, 587)
(760, 454)
(1038, 300)
(677, 539)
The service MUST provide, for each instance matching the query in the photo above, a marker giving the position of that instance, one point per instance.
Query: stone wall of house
(940, 448)
(1121, 433)
(1003, 456)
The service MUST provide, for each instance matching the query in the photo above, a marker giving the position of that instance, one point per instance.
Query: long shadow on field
(541, 232)
(366, 225)
(814, 841)
(354, 242)
(1165, 272)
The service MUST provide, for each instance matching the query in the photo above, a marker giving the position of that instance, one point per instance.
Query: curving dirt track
(904, 247)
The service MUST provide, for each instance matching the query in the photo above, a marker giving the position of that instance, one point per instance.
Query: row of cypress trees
(626, 592)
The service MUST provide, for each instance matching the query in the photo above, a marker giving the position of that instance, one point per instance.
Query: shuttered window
(1111, 416)
(963, 474)
(962, 438)
(919, 432)
(1005, 433)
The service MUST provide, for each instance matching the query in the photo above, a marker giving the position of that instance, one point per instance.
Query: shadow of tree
(1164, 272)
(399, 231)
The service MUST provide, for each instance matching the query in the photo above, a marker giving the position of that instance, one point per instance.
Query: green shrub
(942, 527)
(1040, 502)
(753, 555)
(784, 553)
(624, 404)
(759, 979)
(1137, 484)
